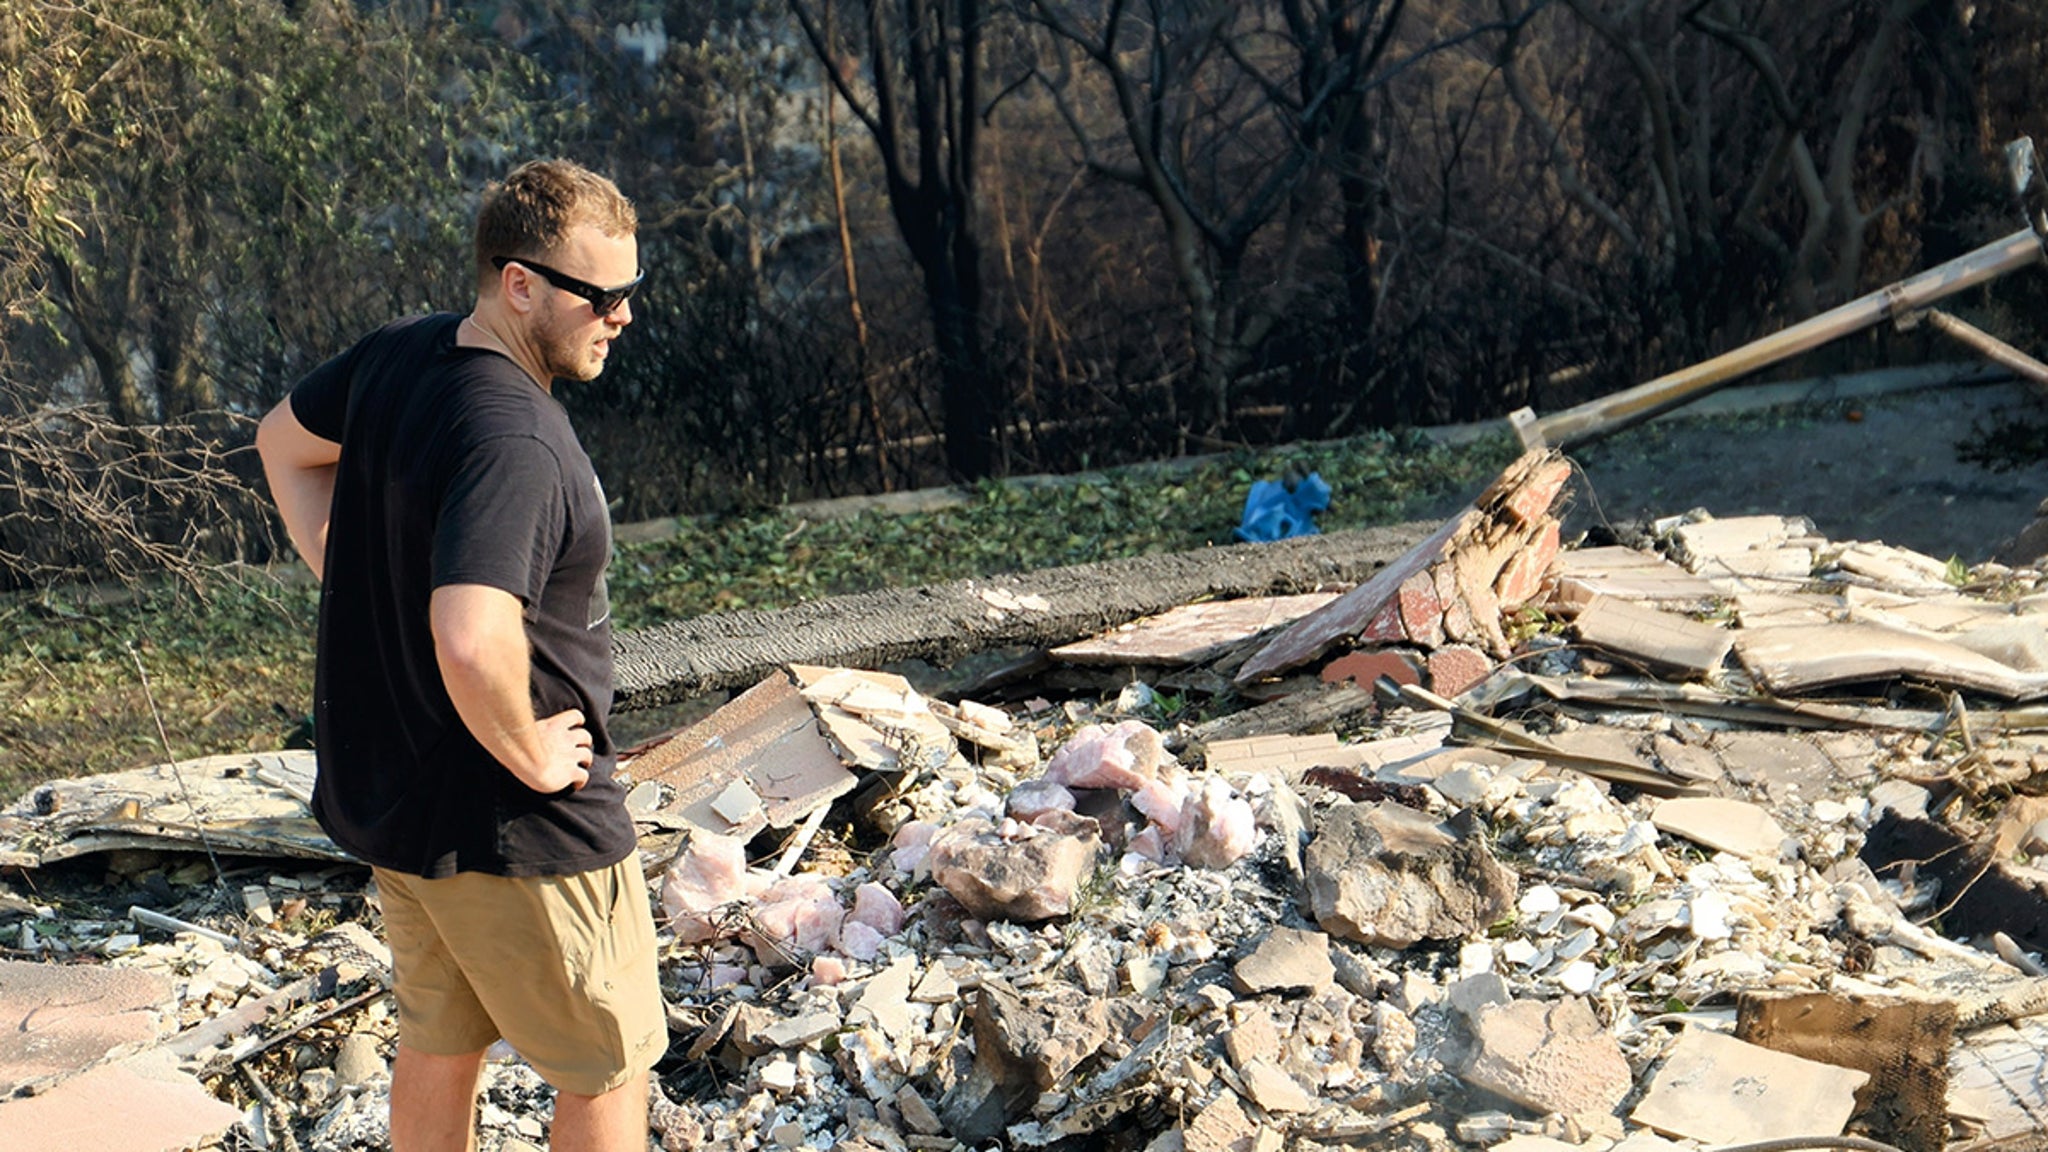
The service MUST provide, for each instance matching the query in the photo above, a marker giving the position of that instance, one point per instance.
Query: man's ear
(515, 283)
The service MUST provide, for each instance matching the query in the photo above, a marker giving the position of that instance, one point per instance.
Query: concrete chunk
(1287, 960)
(1549, 1058)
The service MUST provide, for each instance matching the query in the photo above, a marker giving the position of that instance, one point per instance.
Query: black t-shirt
(456, 468)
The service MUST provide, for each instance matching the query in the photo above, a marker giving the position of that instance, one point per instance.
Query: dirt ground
(1884, 469)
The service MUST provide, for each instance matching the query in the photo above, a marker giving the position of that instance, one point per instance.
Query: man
(463, 677)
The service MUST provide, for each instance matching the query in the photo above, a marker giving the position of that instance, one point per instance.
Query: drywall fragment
(1735, 826)
(1720, 1090)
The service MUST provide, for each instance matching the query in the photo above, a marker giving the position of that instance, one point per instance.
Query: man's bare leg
(433, 1101)
(613, 1122)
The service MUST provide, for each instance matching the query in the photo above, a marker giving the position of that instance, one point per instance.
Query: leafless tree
(1230, 119)
(922, 102)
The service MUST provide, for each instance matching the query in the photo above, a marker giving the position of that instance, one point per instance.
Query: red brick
(1366, 666)
(1456, 668)
(1422, 613)
(1530, 500)
(1522, 577)
(1385, 625)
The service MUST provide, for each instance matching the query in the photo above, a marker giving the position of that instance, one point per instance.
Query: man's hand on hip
(568, 749)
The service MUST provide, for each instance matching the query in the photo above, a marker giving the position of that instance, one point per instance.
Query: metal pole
(1991, 347)
(1611, 414)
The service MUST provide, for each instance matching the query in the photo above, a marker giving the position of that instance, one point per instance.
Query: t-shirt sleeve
(320, 400)
(502, 519)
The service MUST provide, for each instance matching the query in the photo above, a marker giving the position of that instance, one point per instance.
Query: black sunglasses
(603, 301)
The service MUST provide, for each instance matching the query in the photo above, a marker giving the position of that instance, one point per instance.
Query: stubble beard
(567, 354)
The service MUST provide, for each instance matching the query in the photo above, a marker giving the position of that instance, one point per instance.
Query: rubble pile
(1604, 870)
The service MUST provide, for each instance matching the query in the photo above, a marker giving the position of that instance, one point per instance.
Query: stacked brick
(1436, 615)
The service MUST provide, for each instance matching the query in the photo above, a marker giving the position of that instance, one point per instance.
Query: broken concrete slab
(1724, 825)
(1288, 961)
(140, 1104)
(1552, 1057)
(56, 1019)
(945, 622)
(1720, 1090)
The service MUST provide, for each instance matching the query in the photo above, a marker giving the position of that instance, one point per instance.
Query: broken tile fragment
(1647, 638)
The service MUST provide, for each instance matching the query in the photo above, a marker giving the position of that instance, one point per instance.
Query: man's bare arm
(480, 644)
(300, 468)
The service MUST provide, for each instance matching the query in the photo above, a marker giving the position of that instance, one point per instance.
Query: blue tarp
(1274, 512)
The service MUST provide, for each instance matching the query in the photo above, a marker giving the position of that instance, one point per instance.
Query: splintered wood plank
(1998, 1081)
(1629, 574)
(1348, 615)
(1801, 657)
(1649, 638)
(1192, 633)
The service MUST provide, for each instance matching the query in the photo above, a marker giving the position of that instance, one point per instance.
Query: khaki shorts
(561, 967)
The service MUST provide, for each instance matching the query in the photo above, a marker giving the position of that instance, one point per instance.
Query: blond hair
(533, 210)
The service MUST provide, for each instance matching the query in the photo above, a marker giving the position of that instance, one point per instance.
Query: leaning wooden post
(1611, 414)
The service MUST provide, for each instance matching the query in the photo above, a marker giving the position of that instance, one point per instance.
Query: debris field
(1717, 835)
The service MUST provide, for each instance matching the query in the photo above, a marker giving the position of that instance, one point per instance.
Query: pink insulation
(1217, 826)
(709, 874)
(1123, 757)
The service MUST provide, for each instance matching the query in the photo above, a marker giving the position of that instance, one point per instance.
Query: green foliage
(222, 191)
(228, 669)
(230, 662)
(778, 559)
